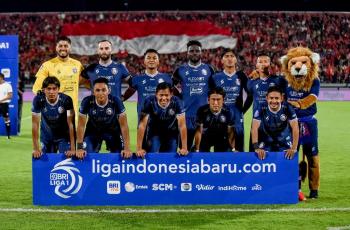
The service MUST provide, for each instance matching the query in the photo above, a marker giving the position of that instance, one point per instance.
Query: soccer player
(146, 84)
(234, 83)
(5, 98)
(54, 112)
(164, 115)
(192, 81)
(115, 72)
(215, 123)
(275, 126)
(66, 69)
(102, 117)
(260, 81)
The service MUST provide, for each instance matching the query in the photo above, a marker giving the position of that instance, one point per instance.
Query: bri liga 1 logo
(66, 179)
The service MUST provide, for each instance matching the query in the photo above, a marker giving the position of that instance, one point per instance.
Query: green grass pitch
(332, 209)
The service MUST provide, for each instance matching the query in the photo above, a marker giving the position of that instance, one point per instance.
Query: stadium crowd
(271, 32)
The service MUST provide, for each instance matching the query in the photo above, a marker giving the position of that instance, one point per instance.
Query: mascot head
(300, 67)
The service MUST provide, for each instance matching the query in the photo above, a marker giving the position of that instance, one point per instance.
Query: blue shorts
(163, 144)
(308, 133)
(114, 143)
(220, 144)
(54, 146)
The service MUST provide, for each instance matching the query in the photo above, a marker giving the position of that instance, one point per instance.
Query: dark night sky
(121, 5)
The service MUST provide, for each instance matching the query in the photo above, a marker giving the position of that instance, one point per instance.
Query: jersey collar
(275, 111)
(151, 75)
(55, 103)
(105, 64)
(230, 75)
(194, 66)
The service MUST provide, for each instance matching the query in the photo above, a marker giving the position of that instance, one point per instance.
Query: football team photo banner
(165, 179)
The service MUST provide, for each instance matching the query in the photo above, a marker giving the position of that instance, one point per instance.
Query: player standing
(113, 71)
(193, 81)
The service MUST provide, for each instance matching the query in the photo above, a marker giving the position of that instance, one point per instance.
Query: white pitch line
(123, 211)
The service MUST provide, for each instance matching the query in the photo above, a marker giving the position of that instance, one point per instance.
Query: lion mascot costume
(300, 68)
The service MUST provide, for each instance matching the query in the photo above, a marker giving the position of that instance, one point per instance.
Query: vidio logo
(66, 179)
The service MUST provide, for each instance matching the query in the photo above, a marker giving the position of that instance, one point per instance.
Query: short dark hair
(51, 80)
(227, 50)
(217, 90)
(2, 75)
(64, 38)
(105, 40)
(151, 51)
(100, 80)
(274, 89)
(163, 86)
(193, 43)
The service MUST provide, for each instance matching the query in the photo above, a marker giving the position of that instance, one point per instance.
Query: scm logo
(163, 187)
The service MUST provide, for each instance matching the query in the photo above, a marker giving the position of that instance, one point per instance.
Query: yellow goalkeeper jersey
(67, 72)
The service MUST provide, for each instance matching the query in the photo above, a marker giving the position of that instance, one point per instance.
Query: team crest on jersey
(222, 118)
(161, 80)
(60, 109)
(283, 117)
(109, 111)
(171, 112)
(75, 70)
(94, 112)
(114, 71)
(238, 82)
(204, 72)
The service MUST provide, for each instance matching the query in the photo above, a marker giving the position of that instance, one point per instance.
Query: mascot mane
(312, 68)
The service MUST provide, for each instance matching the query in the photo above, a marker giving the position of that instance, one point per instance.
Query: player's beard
(63, 54)
(105, 57)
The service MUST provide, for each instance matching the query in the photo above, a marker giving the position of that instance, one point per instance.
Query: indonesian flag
(137, 37)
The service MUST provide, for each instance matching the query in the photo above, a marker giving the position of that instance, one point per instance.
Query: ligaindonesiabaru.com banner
(165, 179)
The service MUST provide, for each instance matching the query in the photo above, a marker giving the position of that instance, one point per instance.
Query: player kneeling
(102, 117)
(215, 123)
(164, 115)
(54, 111)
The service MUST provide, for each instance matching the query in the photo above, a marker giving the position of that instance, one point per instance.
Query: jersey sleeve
(120, 108)
(257, 113)
(179, 106)
(125, 71)
(9, 88)
(68, 104)
(42, 73)
(168, 79)
(315, 88)
(147, 106)
(36, 105)
(84, 106)
(176, 77)
(200, 116)
(291, 112)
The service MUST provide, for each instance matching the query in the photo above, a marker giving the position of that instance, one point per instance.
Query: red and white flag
(137, 37)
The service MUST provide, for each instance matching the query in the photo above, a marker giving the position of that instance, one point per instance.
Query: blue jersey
(233, 87)
(102, 119)
(258, 88)
(215, 125)
(294, 95)
(195, 83)
(53, 123)
(275, 124)
(146, 86)
(163, 121)
(114, 72)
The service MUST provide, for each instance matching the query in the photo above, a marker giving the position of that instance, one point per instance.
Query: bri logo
(66, 179)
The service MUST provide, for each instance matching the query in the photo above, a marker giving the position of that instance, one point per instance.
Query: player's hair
(51, 80)
(2, 75)
(263, 54)
(193, 43)
(217, 90)
(274, 89)
(163, 86)
(64, 38)
(151, 51)
(227, 50)
(105, 40)
(100, 80)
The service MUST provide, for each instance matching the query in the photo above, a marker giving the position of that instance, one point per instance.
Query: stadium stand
(270, 32)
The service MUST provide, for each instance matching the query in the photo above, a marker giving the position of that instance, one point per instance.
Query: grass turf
(15, 189)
